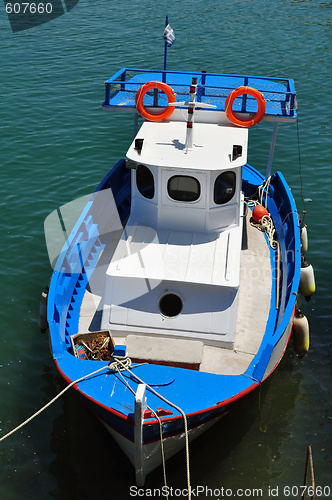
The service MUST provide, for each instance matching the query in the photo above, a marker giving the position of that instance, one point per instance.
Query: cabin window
(183, 188)
(224, 188)
(145, 181)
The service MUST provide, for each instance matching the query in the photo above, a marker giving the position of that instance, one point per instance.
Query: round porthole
(170, 304)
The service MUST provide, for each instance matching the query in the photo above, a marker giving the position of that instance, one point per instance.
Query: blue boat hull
(106, 394)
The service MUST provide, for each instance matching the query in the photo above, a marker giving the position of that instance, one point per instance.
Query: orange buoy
(248, 91)
(259, 212)
(141, 108)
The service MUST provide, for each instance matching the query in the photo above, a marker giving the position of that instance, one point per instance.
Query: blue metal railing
(279, 93)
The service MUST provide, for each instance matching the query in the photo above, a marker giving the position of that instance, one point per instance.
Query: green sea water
(56, 144)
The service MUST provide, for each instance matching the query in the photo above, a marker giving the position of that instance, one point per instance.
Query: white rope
(118, 365)
(266, 223)
(264, 187)
(174, 406)
(161, 449)
(121, 363)
(51, 402)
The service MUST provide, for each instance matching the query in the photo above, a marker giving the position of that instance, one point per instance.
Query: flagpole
(165, 54)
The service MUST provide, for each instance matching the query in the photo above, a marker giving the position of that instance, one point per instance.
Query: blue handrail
(279, 93)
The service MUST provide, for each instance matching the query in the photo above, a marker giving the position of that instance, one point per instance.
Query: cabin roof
(164, 145)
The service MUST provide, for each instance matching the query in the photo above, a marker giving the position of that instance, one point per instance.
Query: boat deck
(254, 293)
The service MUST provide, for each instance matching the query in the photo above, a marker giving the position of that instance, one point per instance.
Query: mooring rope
(260, 191)
(266, 223)
(114, 366)
(51, 402)
(162, 450)
(259, 382)
(120, 361)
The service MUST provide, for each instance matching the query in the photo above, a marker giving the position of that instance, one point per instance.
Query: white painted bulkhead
(180, 240)
(166, 158)
(202, 215)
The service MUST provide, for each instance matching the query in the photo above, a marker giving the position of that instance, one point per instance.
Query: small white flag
(168, 35)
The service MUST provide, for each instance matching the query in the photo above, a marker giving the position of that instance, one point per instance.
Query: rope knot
(119, 363)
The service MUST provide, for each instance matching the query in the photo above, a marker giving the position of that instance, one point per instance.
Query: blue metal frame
(213, 88)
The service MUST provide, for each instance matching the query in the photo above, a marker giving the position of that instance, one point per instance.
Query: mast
(190, 119)
(165, 54)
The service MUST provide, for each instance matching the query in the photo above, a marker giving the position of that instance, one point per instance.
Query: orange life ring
(155, 85)
(260, 101)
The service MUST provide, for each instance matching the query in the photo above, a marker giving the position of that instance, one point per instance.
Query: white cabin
(176, 269)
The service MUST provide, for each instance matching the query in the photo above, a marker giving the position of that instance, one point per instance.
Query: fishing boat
(174, 294)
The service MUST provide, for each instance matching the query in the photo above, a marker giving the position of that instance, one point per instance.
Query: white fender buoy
(307, 279)
(300, 334)
(304, 240)
(42, 320)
